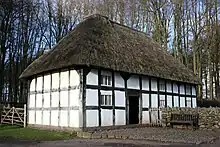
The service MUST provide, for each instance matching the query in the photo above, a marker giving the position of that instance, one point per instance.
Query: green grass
(14, 132)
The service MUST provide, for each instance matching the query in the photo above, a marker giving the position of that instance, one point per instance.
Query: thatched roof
(100, 42)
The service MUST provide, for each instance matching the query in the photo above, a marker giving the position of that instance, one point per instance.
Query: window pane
(109, 100)
(102, 99)
(109, 80)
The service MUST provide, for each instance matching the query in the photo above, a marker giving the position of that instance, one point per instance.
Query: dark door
(133, 109)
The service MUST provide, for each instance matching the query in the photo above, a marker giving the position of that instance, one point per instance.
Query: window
(162, 85)
(162, 103)
(188, 102)
(188, 90)
(106, 80)
(106, 100)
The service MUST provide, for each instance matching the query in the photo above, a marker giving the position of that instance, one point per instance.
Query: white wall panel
(154, 101)
(32, 85)
(145, 100)
(46, 100)
(169, 101)
(47, 82)
(64, 99)
(182, 89)
(176, 101)
(193, 90)
(46, 117)
(55, 99)
(39, 100)
(64, 118)
(145, 83)
(91, 97)
(39, 83)
(182, 101)
(92, 119)
(169, 86)
(54, 117)
(120, 118)
(31, 117)
(92, 77)
(32, 100)
(106, 117)
(175, 88)
(133, 82)
(74, 97)
(120, 98)
(74, 78)
(194, 102)
(64, 82)
(154, 84)
(145, 117)
(119, 81)
(74, 118)
(106, 92)
(55, 80)
(38, 117)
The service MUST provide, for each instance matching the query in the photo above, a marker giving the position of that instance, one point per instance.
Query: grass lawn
(8, 132)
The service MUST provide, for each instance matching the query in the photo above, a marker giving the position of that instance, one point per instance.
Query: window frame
(163, 85)
(106, 100)
(106, 80)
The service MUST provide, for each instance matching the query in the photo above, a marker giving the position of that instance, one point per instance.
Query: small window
(106, 100)
(188, 102)
(162, 103)
(188, 90)
(106, 80)
(162, 85)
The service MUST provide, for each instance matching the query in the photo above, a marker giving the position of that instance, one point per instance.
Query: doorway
(133, 109)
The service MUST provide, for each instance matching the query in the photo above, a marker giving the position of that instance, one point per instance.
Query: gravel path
(164, 135)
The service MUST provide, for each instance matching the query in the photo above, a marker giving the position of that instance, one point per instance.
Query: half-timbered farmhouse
(105, 74)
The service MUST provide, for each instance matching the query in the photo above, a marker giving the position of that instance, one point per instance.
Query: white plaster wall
(145, 100)
(106, 117)
(38, 117)
(175, 88)
(120, 98)
(120, 118)
(39, 100)
(92, 77)
(55, 80)
(32, 101)
(74, 78)
(64, 82)
(74, 121)
(154, 84)
(64, 99)
(46, 100)
(133, 82)
(169, 86)
(182, 89)
(74, 97)
(176, 101)
(154, 101)
(91, 97)
(106, 92)
(92, 119)
(145, 117)
(46, 117)
(119, 81)
(64, 118)
(145, 83)
(194, 102)
(169, 101)
(39, 83)
(55, 99)
(182, 101)
(54, 117)
(47, 82)
(31, 117)
(32, 85)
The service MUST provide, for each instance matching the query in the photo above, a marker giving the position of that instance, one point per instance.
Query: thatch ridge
(99, 41)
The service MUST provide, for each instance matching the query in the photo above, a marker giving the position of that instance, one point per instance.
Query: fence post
(25, 115)
(13, 112)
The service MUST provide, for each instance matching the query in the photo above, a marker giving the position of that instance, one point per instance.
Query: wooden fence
(14, 116)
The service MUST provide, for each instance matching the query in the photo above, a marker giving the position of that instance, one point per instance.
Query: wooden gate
(14, 116)
(156, 117)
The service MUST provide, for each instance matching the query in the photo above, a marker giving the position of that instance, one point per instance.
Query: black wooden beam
(113, 97)
(140, 100)
(99, 97)
(150, 99)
